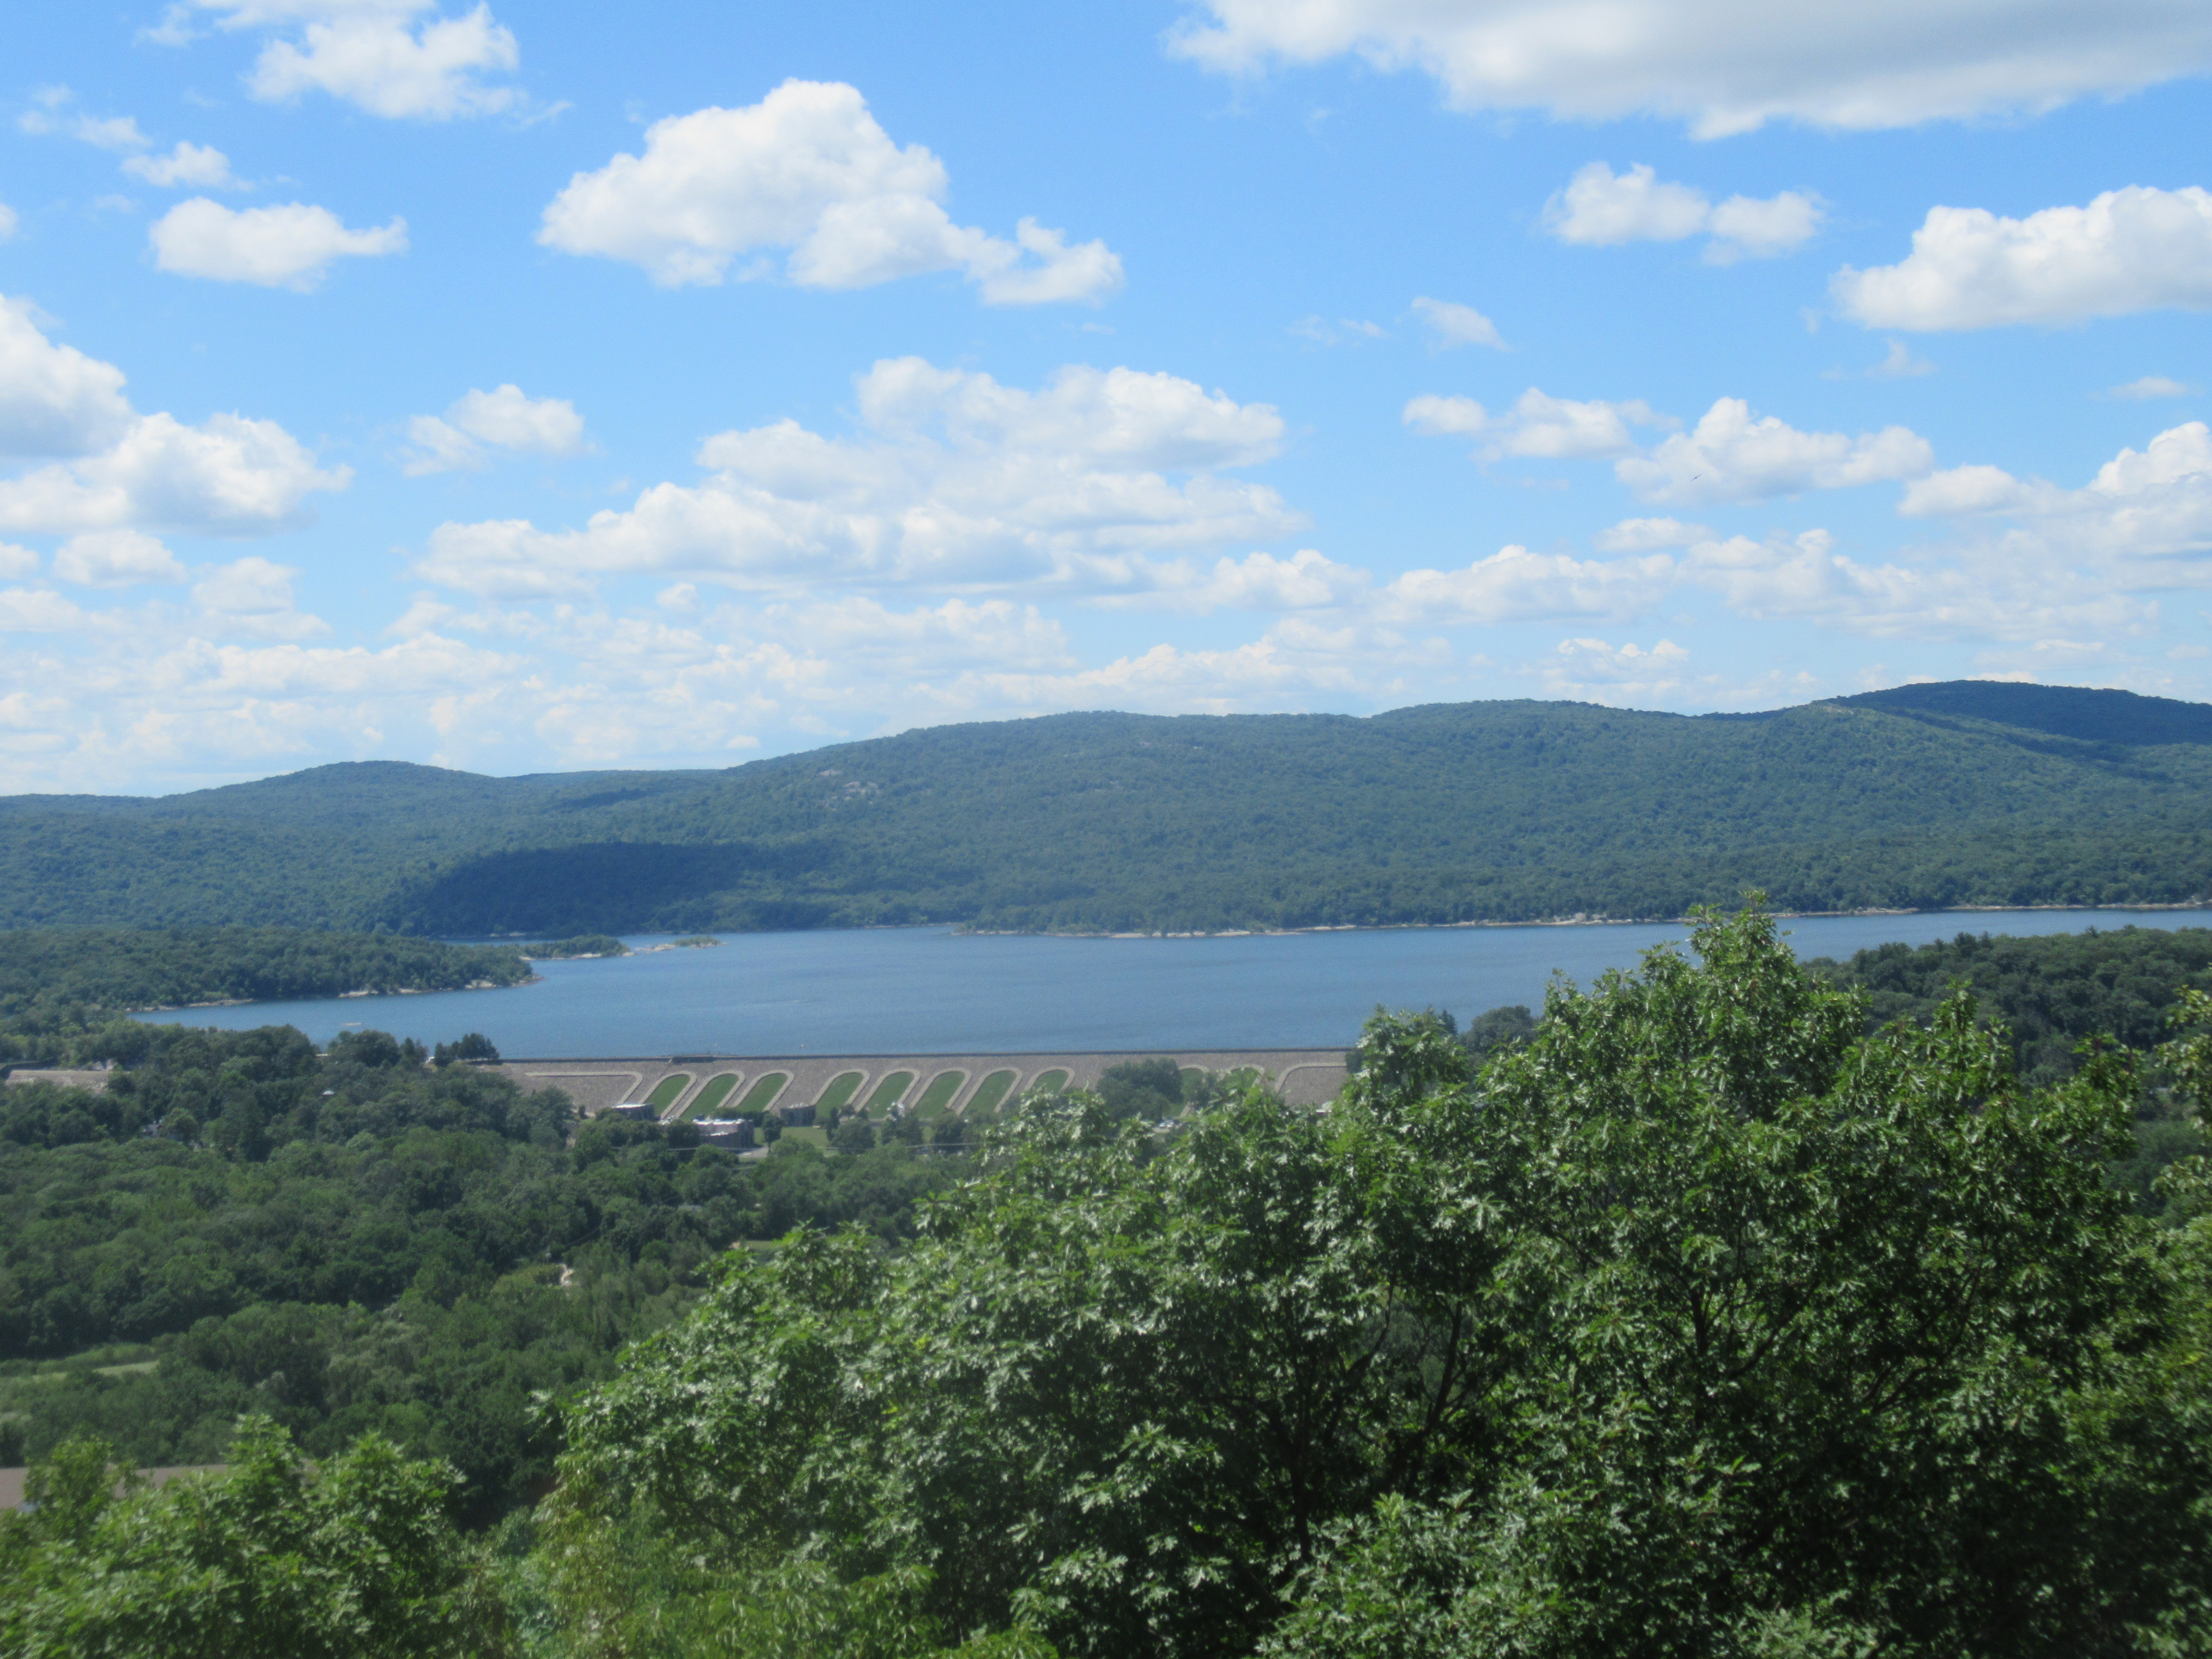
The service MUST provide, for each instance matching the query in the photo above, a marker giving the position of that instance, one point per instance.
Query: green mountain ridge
(1971, 792)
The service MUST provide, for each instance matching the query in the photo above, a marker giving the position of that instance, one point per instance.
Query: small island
(585, 947)
(582, 947)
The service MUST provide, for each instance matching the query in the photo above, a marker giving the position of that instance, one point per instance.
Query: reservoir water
(930, 990)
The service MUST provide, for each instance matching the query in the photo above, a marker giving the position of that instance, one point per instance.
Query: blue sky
(526, 389)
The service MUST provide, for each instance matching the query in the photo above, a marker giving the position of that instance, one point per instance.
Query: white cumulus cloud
(1515, 585)
(175, 28)
(200, 166)
(121, 471)
(228, 476)
(1648, 534)
(1728, 66)
(1729, 456)
(1537, 427)
(2151, 386)
(289, 246)
(1296, 660)
(116, 558)
(808, 172)
(54, 400)
(2144, 520)
(438, 446)
(1597, 671)
(37, 610)
(1897, 363)
(2155, 503)
(1804, 577)
(1351, 328)
(1959, 490)
(1307, 581)
(1759, 227)
(1454, 324)
(926, 641)
(253, 596)
(2132, 250)
(50, 111)
(1601, 208)
(384, 56)
(505, 417)
(955, 480)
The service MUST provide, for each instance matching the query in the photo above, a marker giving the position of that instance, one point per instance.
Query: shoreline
(1557, 921)
(340, 996)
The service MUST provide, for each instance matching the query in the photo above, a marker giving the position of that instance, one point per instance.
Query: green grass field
(666, 1092)
(114, 1356)
(893, 1087)
(842, 1087)
(711, 1097)
(1049, 1083)
(1193, 1074)
(763, 1094)
(61, 1373)
(813, 1135)
(938, 1095)
(991, 1090)
(22, 1380)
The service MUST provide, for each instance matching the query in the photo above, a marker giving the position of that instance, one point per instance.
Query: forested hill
(1971, 793)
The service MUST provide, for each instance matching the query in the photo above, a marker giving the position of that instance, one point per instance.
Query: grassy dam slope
(1966, 794)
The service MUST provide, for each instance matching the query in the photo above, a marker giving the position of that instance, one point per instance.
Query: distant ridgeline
(1971, 793)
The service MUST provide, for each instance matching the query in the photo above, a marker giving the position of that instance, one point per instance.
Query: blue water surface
(931, 990)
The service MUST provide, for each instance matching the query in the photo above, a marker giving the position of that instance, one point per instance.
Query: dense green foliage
(469, 1045)
(357, 1241)
(2052, 992)
(1920, 798)
(1158, 1091)
(1707, 1315)
(1147, 1089)
(272, 1560)
(1702, 1322)
(53, 979)
(1497, 1029)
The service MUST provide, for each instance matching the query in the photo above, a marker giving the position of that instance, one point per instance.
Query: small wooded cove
(931, 990)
